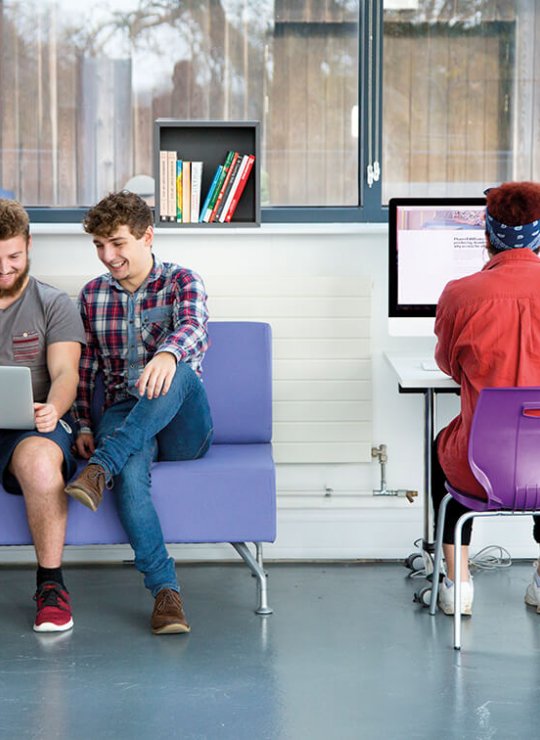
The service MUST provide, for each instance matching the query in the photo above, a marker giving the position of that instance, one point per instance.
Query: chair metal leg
(457, 577)
(255, 565)
(437, 557)
(458, 539)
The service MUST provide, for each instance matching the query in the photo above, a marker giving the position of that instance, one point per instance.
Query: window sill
(270, 229)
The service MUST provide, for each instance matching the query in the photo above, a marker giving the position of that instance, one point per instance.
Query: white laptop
(16, 398)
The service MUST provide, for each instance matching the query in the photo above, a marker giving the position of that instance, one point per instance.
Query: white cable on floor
(490, 558)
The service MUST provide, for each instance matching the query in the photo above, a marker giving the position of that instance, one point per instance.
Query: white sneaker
(446, 597)
(532, 595)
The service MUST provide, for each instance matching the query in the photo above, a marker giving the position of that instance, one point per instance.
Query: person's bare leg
(37, 465)
(449, 556)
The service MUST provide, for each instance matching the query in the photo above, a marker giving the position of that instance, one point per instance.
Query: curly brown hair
(514, 203)
(118, 209)
(14, 220)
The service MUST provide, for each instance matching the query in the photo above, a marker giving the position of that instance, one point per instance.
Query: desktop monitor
(431, 241)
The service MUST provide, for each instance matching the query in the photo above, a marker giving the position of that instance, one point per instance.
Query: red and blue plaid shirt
(125, 330)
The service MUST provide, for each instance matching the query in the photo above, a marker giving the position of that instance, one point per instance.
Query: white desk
(412, 378)
(411, 374)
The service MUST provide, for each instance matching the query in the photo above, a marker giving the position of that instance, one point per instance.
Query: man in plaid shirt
(145, 324)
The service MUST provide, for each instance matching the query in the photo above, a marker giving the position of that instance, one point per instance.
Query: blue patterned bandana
(503, 237)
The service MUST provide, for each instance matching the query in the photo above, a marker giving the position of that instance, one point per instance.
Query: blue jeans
(130, 436)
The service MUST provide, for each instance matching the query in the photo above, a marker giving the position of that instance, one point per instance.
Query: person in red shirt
(488, 335)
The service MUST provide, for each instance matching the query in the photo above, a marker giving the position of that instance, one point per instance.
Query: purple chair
(504, 456)
(227, 496)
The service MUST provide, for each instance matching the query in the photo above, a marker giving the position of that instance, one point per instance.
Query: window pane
(312, 145)
(81, 84)
(461, 104)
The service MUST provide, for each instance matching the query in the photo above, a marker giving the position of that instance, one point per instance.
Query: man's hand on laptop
(84, 444)
(157, 376)
(45, 416)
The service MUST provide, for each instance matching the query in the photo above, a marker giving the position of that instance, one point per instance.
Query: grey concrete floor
(346, 655)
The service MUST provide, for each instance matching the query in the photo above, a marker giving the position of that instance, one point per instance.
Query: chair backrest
(237, 375)
(504, 447)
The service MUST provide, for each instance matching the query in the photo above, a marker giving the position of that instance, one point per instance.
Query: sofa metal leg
(262, 586)
(259, 553)
(255, 565)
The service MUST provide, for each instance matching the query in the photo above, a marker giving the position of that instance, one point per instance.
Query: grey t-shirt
(41, 316)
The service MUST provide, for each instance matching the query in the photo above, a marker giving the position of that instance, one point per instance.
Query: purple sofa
(227, 496)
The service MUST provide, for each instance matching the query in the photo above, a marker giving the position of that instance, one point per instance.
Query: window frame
(370, 208)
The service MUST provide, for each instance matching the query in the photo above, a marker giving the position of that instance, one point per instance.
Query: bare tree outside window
(80, 88)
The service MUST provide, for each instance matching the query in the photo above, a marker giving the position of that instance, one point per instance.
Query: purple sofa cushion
(227, 496)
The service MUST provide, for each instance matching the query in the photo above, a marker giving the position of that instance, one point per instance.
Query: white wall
(351, 522)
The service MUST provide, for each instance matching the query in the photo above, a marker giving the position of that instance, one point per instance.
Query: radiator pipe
(381, 454)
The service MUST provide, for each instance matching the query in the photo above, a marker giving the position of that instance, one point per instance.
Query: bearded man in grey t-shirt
(40, 328)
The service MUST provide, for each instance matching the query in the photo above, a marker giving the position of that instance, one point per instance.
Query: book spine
(234, 184)
(233, 172)
(196, 180)
(210, 192)
(179, 166)
(223, 175)
(240, 188)
(171, 186)
(224, 187)
(186, 192)
(163, 187)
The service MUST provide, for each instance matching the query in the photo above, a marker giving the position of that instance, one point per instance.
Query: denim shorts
(63, 436)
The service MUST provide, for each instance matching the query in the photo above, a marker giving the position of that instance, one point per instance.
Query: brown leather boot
(168, 616)
(88, 487)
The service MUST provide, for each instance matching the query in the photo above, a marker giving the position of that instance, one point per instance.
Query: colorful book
(232, 189)
(240, 188)
(179, 167)
(196, 182)
(223, 175)
(224, 186)
(226, 189)
(210, 192)
(186, 193)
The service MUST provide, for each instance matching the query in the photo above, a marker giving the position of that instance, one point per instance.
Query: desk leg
(429, 423)
(423, 595)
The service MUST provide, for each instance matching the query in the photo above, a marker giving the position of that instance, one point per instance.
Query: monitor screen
(431, 241)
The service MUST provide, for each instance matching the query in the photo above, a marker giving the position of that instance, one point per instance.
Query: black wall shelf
(209, 142)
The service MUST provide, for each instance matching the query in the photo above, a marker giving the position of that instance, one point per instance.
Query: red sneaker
(53, 608)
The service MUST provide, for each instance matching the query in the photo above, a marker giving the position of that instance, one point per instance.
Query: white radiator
(322, 361)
